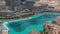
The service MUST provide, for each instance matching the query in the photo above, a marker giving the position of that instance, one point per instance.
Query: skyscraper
(13, 3)
(51, 28)
(2, 4)
(17, 4)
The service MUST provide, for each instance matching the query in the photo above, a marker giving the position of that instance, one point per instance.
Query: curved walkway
(26, 26)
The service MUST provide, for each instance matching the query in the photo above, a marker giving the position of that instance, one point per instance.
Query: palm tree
(18, 14)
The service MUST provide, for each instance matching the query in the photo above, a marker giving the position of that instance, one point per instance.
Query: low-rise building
(3, 29)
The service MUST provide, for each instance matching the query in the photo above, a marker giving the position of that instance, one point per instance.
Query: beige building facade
(52, 28)
(34, 32)
(57, 20)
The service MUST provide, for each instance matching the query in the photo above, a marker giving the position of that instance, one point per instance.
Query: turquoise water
(23, 26)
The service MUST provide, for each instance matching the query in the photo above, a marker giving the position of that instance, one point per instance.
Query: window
(48, 27)
(58, 32)
(50, 7)
(51, 31)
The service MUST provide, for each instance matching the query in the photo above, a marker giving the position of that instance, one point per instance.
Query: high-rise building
(34, 32)
(17, 4)
(29, 4)
(0, 31)
(51, 28)
(13, 4)
(57, 20)
(2, 4)
(31, 0)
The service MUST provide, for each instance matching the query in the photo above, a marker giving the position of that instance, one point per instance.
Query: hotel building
(52, 28)
(34, 32)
